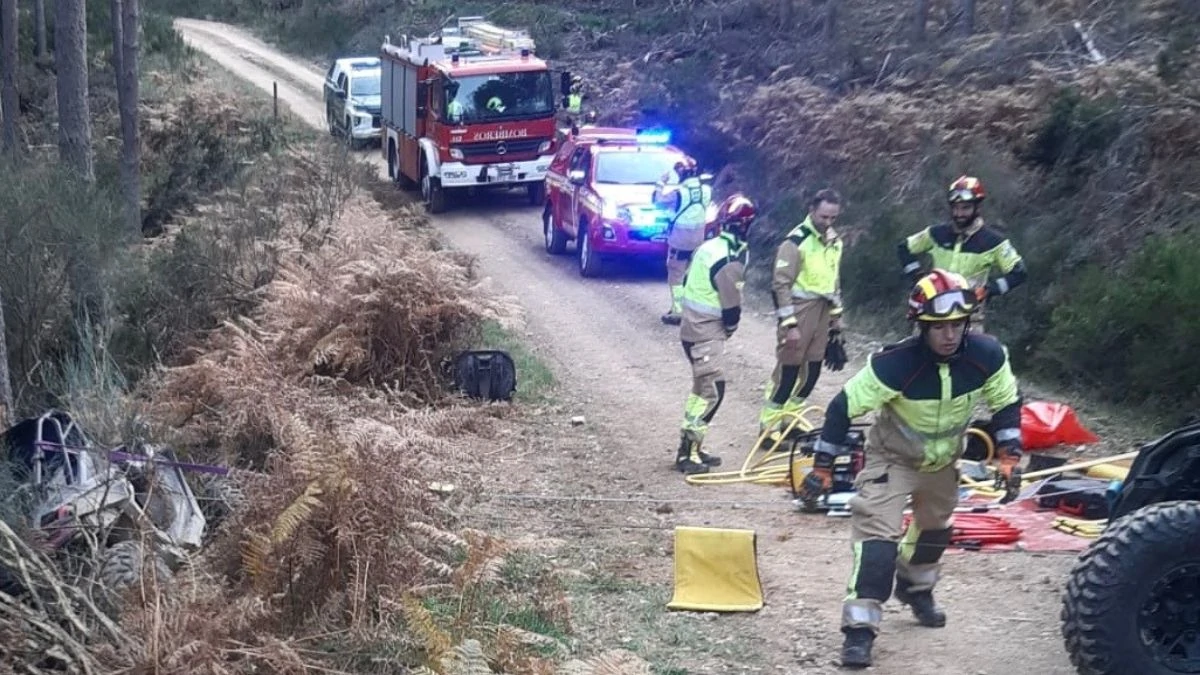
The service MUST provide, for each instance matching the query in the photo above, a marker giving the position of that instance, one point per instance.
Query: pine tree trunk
(968, 18)
(8, 78)
(39, 30)
(6, 397)
(114, 11)
(70, 62)
(920, 18)
(787, 13)
(127, 96)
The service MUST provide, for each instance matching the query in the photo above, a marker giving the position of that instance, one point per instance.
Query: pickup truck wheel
(589, 260)
(329, 123)
(432, 192)
(555, 238)
(537, 193)
(1132, 602)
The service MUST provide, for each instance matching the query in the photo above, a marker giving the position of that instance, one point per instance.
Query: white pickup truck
(352, 103)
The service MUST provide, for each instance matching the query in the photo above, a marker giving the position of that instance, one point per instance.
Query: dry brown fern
(614, 662)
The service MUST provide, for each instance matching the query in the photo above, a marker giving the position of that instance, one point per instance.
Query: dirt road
(625, 373)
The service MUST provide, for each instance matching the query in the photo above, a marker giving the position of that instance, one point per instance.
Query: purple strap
(122, 456)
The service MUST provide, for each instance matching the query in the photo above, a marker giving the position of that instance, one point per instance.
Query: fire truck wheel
(433, 194)
(537, 193)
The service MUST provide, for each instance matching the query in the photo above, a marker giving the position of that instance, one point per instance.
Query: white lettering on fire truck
(500, 133)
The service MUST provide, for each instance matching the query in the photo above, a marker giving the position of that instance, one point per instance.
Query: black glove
(835, 351)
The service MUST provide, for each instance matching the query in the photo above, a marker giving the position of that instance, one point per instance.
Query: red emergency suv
(598, 193)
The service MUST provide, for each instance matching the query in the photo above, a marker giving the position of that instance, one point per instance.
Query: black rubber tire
(554, 240)
(590, 263)
(1110, 584)
(219, 497)
(121, 566)
(536, 193)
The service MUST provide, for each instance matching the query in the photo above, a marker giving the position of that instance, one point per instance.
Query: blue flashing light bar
(654, 136)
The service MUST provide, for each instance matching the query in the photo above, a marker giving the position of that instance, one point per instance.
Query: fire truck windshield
(643, 167)
(483, 98)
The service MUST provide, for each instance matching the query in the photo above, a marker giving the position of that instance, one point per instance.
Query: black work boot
(856, 649)
(671, 319)
(921, 602)
(684, 457)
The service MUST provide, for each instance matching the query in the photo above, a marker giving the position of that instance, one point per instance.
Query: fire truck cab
(467, 107)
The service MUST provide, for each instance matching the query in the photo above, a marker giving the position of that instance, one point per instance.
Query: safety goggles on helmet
(963, 195)
(955, 304)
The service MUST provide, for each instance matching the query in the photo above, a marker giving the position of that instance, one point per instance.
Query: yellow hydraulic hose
(761, 465)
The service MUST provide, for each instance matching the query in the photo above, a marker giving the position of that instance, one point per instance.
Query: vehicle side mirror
(576, 176)
(564, 84)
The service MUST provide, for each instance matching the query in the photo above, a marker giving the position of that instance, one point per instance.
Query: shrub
(1124, 333)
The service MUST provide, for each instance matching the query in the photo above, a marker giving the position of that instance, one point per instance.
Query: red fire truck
(469, 106)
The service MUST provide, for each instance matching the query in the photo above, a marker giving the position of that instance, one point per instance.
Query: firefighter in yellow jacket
(712, 309)
(967, 246)
(925, 389)
(687, 198)
(806, 289)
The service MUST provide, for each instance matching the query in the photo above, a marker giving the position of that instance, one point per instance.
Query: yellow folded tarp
(716, 570)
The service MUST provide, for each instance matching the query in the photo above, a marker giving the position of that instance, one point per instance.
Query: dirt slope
(625, 372)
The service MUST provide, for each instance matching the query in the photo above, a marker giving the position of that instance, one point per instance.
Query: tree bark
(70, 62)
(1010, 15)
(9, 105)
(114, 11)
(127, 101)
(787, 13)
(920, 18)
(968, 18)
(39, 30)
(830, 19)
(6, 397)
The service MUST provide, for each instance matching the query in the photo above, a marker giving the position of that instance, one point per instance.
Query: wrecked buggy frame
(117, 508)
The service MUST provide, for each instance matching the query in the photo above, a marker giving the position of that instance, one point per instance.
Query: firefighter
(712, 308)
(575, 97)
(687, 198)
(924, 389)
(806, 289)
(967, 246)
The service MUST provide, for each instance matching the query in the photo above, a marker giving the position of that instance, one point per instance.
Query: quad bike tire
(219, 496)
(121, 566)
(1132, 602)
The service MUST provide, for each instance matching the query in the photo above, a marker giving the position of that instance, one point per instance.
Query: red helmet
(941, 296)
(736, 213)
(966, 189)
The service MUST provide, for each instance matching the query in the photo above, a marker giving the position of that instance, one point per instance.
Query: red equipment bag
(1045, 424)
